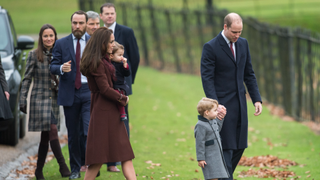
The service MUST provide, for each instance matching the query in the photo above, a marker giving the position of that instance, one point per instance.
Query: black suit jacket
(125, 36)
(223, 79)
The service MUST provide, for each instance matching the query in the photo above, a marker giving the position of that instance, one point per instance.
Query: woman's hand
(127, 100)
(7, 95)
(23, 108)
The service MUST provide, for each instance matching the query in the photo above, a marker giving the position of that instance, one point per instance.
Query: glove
(23, 108)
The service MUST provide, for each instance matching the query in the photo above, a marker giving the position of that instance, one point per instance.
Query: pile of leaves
(28, 168)
(268, 161)
(266, 173)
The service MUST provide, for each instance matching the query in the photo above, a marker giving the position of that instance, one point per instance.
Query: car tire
(12, 134)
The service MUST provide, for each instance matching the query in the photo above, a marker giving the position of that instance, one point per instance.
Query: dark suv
(12, 58)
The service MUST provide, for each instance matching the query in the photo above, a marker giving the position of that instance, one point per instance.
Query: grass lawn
(29, 16)
(162, 117)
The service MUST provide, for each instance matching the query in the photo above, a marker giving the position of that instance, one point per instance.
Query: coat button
(50, 97)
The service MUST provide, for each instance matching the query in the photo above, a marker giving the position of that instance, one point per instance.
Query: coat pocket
(209, 142)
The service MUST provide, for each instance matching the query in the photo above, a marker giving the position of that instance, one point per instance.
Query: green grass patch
(162, 117)
(29, 16)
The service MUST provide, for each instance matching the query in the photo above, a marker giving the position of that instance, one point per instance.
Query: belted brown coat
(107, 139)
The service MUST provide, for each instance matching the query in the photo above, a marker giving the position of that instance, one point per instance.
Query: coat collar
(201, 118)
(117, 32)
(225, 47)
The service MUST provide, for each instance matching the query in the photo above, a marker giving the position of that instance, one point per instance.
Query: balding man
(225, 67)
(93, 22)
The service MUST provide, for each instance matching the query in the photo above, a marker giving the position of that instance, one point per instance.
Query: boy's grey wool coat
(209, 149)
(43, 99)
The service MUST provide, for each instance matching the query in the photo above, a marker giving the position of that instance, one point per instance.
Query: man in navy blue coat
(74, 94)
(225, 67)
(124, 36)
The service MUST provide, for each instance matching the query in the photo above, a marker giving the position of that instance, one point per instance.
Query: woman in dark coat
(107, 139)
(44, 111)
(5, 111)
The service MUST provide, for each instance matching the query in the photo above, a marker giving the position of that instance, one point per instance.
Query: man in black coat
(225, 67)
(124, 36)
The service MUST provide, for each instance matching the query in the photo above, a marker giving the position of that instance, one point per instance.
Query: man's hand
(258, 106)
(7, 95)
(66, 67)
(202, 163)
(222, 111)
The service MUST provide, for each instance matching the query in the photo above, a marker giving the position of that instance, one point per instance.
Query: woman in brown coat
(107, 139)
(44, 110)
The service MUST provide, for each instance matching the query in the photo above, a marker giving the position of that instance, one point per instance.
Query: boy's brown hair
(206, 104)
(116, 47)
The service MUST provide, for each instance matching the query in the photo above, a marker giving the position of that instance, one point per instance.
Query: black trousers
(232, 158)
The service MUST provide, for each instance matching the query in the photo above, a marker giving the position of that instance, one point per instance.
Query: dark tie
(231, 48)
(78, 76)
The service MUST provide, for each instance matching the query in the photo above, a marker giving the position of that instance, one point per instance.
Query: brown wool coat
(107, 139)
(43, 100)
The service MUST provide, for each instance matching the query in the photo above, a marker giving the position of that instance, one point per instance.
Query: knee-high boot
(42, 154)
(56, 149)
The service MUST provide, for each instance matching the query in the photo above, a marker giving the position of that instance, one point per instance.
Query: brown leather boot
(42, 154)
(56, 149)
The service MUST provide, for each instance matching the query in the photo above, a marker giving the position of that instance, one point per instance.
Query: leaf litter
(267, 164)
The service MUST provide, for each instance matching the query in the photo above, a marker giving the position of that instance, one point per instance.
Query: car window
(13, 32)
(5, 48)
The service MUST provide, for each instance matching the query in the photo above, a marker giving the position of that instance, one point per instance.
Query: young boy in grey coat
(208, 143)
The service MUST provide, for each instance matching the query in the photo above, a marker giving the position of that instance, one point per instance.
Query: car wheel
(11, 135)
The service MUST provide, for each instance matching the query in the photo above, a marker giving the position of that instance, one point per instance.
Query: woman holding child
(105, 129)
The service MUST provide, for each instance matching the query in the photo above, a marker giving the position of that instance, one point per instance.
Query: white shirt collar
(225, 38)
(112, 27)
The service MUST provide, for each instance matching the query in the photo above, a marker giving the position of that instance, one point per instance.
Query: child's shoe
(123, 117)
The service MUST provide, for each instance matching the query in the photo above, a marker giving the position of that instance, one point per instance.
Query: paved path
(11, 157)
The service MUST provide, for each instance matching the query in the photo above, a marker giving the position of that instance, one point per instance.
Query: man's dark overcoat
(223, 79)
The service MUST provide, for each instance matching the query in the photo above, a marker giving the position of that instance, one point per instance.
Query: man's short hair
(206, 104)
(230, 18)
(107, 5)
(92, 15)
(80, 12)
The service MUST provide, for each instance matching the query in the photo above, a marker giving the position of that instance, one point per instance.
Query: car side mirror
(25, 42)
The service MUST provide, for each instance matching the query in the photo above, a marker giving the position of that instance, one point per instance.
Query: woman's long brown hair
(40, 47)
(95, 50)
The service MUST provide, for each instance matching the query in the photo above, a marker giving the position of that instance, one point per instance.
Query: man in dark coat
(225, 67)
(124, 36)
(74, 94)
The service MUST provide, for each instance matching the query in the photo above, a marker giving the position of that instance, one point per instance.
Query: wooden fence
(286, 60)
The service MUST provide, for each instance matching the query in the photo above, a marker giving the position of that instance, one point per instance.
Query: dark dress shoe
(98, 174)
(75, 175)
